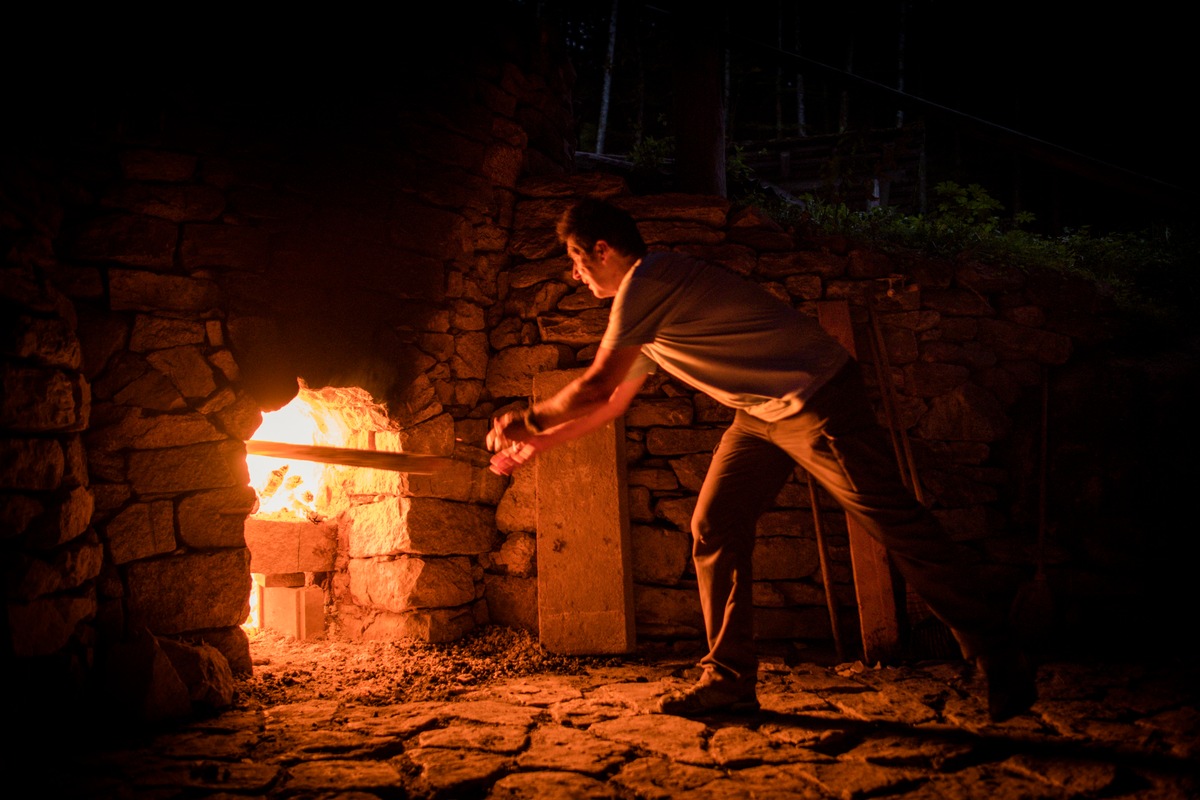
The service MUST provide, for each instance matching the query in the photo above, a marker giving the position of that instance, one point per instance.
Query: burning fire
(293, 490)
(290, 489)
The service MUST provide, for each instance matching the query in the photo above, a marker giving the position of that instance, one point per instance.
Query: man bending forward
(799, 399)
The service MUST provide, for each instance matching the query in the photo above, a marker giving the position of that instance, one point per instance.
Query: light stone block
(585, 576)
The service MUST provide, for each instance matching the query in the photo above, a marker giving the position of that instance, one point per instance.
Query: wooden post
(873, 585)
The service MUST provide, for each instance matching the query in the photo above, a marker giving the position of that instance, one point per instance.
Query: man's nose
(575, 272)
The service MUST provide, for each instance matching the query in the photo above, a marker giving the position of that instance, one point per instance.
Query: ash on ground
(287, 670)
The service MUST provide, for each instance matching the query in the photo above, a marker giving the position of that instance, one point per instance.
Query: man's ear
(601, 248)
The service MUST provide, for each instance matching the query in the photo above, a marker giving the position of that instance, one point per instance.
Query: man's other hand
(507, 430)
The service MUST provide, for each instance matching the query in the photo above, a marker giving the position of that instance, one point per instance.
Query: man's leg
(746, 475)
(839, 441)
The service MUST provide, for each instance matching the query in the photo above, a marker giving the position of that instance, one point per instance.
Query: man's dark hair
(591, 220)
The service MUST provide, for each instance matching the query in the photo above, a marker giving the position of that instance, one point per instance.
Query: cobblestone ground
(1099, 730)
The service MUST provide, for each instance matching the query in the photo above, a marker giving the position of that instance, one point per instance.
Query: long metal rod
(414, 463)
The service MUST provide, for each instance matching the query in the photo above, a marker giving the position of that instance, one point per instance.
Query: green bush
(1154, 272)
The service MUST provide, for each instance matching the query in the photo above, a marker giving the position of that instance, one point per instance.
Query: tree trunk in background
(779, 72)
(801, 122)
(900, 60)
(844, 106)
(697, 50)
(602, 127)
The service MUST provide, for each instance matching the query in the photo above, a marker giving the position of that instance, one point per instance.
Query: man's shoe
(1012, 688)
(708, 698)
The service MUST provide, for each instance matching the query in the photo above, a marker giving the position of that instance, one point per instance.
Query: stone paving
(1117, 730)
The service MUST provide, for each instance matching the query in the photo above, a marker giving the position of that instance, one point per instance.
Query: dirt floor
(380, 673)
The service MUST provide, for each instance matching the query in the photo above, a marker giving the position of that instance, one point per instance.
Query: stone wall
(969, 348)
(179, 249)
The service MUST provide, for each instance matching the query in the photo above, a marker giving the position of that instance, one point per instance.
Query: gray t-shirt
(722, 335)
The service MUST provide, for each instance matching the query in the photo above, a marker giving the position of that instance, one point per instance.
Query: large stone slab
(585, 574)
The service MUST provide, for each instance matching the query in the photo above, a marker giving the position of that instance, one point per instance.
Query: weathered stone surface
(460, 771)
(136, 240)
(141, 530)
(562, 748)
(867, 264)
(550, 785)
(584, 328)
(801, 262)
(969, 413)
(179, 469)
(187, 369)
(461, 481)
(476, 736)
(418, 525)
(512, 600)
(203, 670)
(679, 441)
(691, 469)
(1018, 341)
(657, 778)
(534, 272)
(51, 342)
(40, 399)
(752, 227)
(702, 209)
(173, 202)
(664, 612)
(426, 625)
(122, 427)
(924, 379)
(282, 546)
(405, 583)
(660, 232)
(63, 569)
(215, 518)
(65, 516)
(785, 558)
(660, 555)
(434, 436)
(734, 257)
(517, 556)
(517, 510)
(17, 511)
(145, 291)
(673, 411)
(190, 591)
(45, 625)
(655, 479)
(678, 511)
(511, 372)
(343, 776)
(678, 739)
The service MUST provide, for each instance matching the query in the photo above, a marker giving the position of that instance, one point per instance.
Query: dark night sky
(1113, 87)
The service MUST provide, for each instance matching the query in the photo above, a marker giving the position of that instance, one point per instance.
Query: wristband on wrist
(531, 422)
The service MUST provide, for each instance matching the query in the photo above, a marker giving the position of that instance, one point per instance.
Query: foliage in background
(1155, 272)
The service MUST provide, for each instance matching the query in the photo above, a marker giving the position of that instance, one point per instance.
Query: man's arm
(517, 453)
(596, 391)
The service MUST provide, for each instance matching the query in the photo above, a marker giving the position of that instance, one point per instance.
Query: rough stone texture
(585, 601)
(404, 583)
(418, 525)
(190, 592)
(279, 546)
(660, 555)
(512, 601)
(511, 371)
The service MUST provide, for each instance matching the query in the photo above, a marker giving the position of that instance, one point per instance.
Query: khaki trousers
(838, 440)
